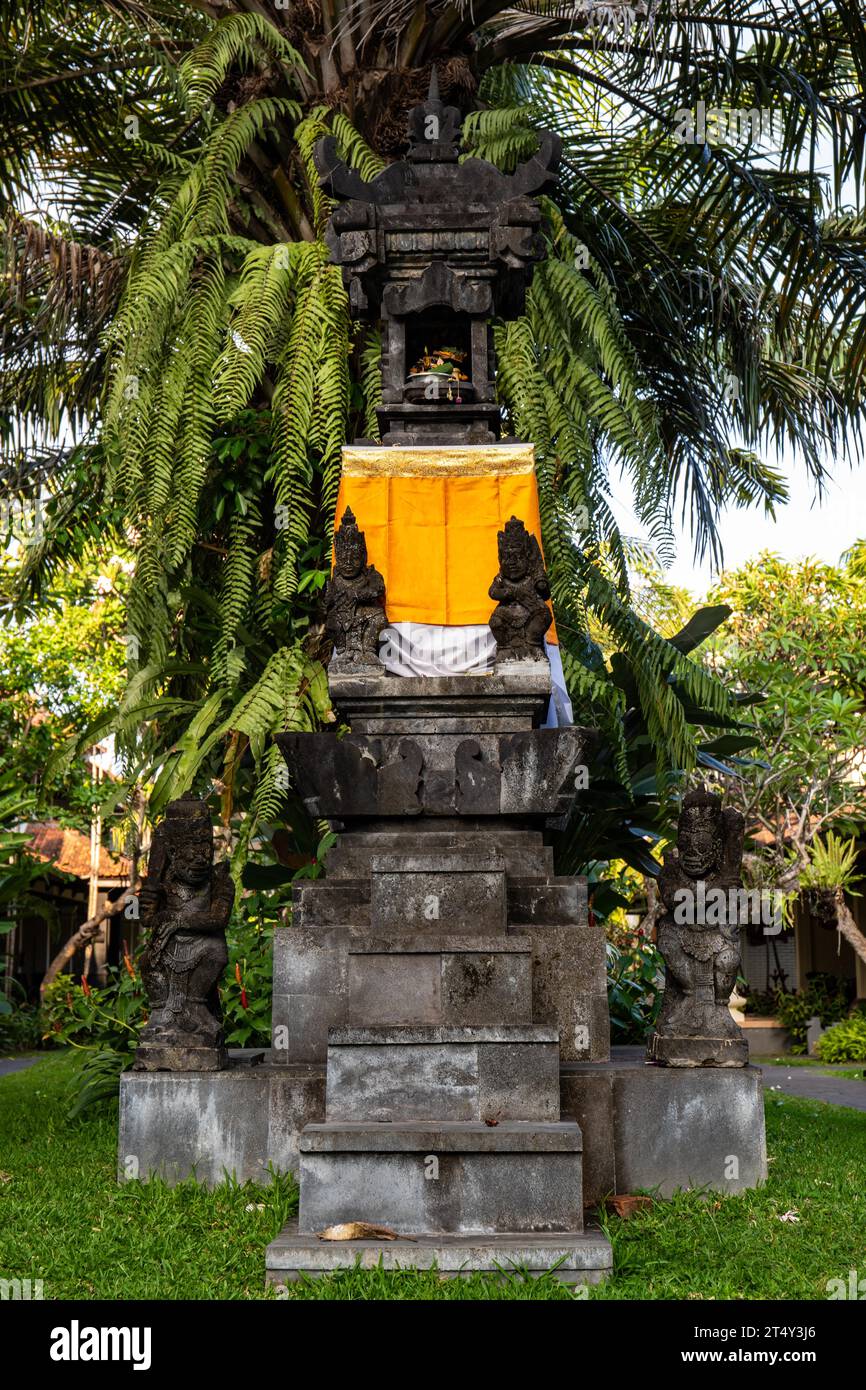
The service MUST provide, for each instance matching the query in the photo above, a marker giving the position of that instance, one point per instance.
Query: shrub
(824, 996)
(635, 972)
(19, 1028)
(845, 1041)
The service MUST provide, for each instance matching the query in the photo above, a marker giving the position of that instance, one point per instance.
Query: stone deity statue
(521, 616)
(186, 902)
(699, 938)
(354, 600)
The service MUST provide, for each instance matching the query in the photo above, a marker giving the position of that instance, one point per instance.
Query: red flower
(86, 987)
(128, 963)
(243, 998)
(238, 972)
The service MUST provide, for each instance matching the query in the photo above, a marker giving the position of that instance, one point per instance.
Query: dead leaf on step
(493, 1120)
(359, 1230)
(627, 1204)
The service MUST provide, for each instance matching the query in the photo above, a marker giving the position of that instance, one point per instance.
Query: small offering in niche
(444, 362)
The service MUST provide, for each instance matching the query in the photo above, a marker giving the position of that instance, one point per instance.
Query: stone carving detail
(186, 902)
(354, 600)
(531, 772)
(521, 616)
(702, 958)
(432, 248)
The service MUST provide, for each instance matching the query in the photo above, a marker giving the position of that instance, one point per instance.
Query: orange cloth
(431, 517)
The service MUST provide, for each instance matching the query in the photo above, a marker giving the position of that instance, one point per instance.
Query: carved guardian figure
(521, 616)
(354, 600)
(186, 902)
(702, 957)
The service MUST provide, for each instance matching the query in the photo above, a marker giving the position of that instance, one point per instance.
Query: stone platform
(583, 1258)
(643, 1126)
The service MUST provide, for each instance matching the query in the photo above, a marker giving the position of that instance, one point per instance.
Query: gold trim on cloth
(454, 461)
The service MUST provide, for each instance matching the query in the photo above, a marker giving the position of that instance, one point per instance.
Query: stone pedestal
(440, 972)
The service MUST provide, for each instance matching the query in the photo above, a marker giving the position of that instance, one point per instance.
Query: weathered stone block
(443, 1178)
(442, 1073)
(432, 979)
(326, 903)
(524, 851)
(460, 892)
(586, 1095)
(395, 988)
(300, 1023)
(569, 988)
(547, 901)
(239, 1123)
(308, 961)
(701, 1127)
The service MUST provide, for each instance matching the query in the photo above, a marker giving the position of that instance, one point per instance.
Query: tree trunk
(848, 927)
(87, 932)
(654, 908)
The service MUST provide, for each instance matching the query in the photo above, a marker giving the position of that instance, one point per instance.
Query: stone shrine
(441, 1062)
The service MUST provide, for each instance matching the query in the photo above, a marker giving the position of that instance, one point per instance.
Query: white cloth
(429, 649)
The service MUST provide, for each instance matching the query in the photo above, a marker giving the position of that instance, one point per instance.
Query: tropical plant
(832, 864)
(823, 997)
(845, 1041)
(174, 306)
(634, 990)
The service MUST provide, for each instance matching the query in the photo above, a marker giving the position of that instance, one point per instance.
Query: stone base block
(160, 1056)
(524, 851)
(443, 1179)
(392, 1074)
(666, 1129)
(241, 1122)
(438, 892)
(427, 979)
(584, 1257)
(697, 1052)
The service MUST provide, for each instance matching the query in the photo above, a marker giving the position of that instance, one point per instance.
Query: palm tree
(168, 302)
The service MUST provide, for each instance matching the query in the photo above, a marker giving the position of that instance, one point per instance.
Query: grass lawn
(64, 1220)
(849, 1071)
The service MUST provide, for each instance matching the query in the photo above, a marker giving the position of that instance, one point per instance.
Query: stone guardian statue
(354, 600)
(186, 902)
(521, 616)
(699, 938)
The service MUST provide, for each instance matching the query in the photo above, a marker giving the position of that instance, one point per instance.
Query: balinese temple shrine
(440, 1077)
(432, 250)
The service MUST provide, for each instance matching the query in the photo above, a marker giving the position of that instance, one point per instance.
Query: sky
(806, 526)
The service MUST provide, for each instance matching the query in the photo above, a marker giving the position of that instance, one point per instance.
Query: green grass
(64, 1220)
(850, 1072)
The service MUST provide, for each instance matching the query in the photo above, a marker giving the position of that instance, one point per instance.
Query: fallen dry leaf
(628, 1204)
(359, 1230)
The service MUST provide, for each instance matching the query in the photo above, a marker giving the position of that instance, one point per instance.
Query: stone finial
(434, 128)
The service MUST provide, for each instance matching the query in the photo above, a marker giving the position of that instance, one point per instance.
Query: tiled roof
(69, 850)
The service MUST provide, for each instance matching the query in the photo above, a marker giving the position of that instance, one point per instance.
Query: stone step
(409, 891)
(583, 1257)
(552, 901)
(524, 851)
(436, 892)
(442, 1073)
(431, 979)
(443, 1178)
